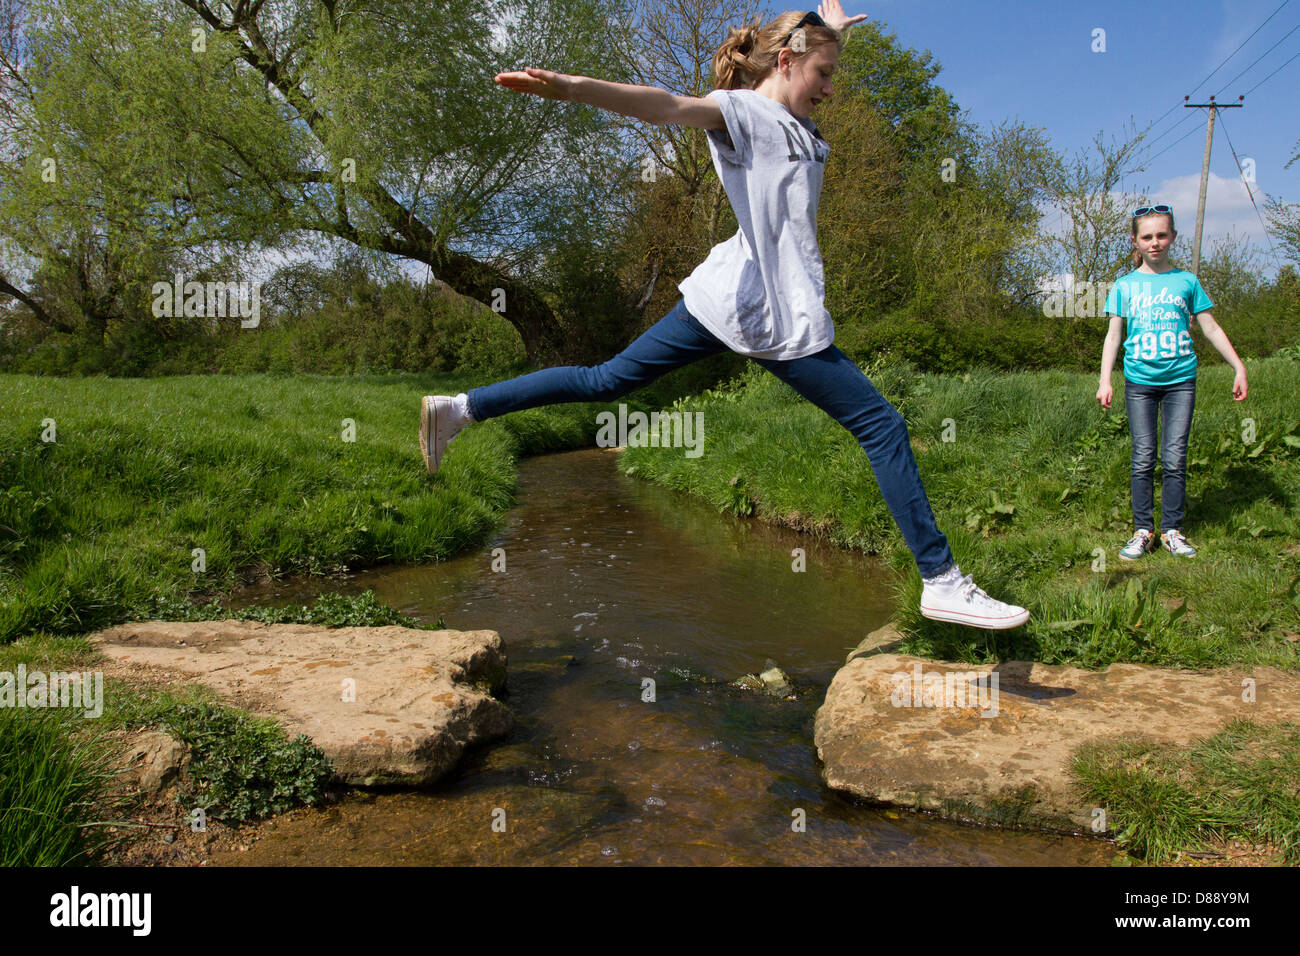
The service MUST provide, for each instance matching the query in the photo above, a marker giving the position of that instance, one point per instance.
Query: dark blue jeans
(1174, 405)
(828, 379)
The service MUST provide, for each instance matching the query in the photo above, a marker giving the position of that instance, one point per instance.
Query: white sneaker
(1138, 545)
(1175, 543)
(951, 597)
(441, 419)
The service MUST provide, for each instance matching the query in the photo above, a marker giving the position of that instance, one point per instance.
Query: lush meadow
(275, 475)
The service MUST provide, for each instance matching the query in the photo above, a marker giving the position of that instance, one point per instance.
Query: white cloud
(1227, 209)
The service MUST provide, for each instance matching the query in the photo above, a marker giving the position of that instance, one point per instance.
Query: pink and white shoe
(441, 419)
(951, 597)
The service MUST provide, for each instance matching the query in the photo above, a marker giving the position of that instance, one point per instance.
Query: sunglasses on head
(1147, 210)
(808, 18)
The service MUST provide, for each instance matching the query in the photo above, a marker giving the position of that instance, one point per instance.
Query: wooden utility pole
(1205, 168)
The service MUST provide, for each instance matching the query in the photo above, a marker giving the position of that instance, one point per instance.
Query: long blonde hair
(750, 52)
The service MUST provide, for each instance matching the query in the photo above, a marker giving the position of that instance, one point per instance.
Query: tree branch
(42, 316)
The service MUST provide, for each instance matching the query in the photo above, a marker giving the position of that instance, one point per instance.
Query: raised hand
(832, 11)
(543, 83)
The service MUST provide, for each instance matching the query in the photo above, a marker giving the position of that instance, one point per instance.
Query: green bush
(364, 327)
(328, 610)
(1258, 328)
(1022, 339)
(245, 768)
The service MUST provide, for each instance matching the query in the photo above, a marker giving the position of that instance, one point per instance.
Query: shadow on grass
(1237, 488)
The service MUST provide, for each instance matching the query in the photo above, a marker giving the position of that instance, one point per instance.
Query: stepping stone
(992, 743)
(388, 705)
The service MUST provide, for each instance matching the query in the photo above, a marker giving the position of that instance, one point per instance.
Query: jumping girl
(759, 293)
(1156, 302)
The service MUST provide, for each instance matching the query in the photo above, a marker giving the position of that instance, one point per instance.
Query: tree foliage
(182, 129)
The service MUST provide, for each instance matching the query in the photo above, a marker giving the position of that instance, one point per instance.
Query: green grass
(328, 610)
(54, 784)
(98, 526)
(1033, 494)
(1243, 783)
(101, 525)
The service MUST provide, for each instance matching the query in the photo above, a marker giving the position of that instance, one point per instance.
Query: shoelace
(1138, 540)
(1176, 539)
(972, 594)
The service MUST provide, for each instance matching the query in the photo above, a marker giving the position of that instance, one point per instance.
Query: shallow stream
(610, 580)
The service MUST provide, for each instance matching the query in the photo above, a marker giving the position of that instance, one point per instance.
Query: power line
(1148, 147)
(1194, 129)
(1257, 59)
(1211, 73)
(1238, 50)
(1250, 192)
(1271, 75)
(1162, 116)
(1170, 129)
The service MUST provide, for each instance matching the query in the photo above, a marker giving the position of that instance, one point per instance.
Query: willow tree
(147, 127)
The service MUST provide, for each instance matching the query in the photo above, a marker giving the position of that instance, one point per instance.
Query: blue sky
(1032, 60)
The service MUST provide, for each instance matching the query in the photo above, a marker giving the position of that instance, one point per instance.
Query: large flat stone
(1011, 766)
(421, 697)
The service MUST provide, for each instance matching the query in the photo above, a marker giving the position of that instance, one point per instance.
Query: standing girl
(1156, 302)
(760, 293)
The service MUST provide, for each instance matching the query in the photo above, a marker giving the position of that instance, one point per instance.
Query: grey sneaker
(1138, 545)
(440, 422)
(1176, 544)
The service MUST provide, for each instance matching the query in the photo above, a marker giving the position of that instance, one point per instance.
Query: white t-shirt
(762, 292)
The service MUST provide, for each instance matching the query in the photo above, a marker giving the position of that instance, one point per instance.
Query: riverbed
(627, 610)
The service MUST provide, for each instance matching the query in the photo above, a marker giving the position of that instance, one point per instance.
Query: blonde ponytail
(750, 52)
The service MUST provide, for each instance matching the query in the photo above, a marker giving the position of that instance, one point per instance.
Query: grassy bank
(1028, 477)
(108, 486)
(265, 475)
(1239, 784)
(1032, 490)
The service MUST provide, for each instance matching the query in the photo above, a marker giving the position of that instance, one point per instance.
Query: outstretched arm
(647, 103)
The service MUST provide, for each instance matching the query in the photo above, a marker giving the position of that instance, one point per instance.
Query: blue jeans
(1174, 404)
(828, 379)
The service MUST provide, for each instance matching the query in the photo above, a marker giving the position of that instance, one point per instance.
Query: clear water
(609, 581)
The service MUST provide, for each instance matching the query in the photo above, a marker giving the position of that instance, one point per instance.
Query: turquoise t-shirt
(1157, 310)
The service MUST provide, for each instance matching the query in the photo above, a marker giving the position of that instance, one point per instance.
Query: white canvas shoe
(1175, 543)
(951, 597)
(441, 419)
